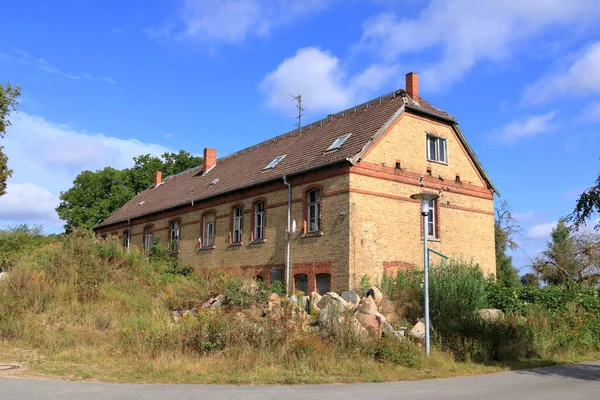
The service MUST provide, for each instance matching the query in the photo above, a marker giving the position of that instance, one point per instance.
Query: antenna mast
(298, 100)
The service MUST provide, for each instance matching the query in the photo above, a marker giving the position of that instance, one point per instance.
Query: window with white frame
(236, 231)
(208, 232)
(314, 210)
(174, 235)
(148, 238)
(432, 220)
(259, 220)
(437, 149)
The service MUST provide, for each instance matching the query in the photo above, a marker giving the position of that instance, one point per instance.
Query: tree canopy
(587, 205)
(8, 102)
(96, 195)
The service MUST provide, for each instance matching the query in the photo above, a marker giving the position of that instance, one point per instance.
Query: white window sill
(257, 241)
(438, 162)
(236, 244)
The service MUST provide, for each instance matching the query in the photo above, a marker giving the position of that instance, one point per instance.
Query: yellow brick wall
(406, 142)
(385, 224)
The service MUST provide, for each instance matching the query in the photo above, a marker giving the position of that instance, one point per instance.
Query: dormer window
(338, 142)
(276, 161)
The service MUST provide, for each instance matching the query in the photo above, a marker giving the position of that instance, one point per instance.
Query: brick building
(345, 182)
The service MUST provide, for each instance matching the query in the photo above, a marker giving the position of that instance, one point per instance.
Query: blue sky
(106, 81)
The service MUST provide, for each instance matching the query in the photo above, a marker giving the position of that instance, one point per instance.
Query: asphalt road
(580, 382)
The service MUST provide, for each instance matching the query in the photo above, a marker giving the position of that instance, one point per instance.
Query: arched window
(323, 283)
(175, 234)
(236, 229)
(208, 230)
(314, 210)
(126, 239)
(301, 283)
(148, 237)
(259, 220)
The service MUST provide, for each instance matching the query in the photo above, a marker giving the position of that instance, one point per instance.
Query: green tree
(8, 102)
(505, 230)
(96, 195)
(559, 263)
(587, 205)
(530, 279)
(93, 198)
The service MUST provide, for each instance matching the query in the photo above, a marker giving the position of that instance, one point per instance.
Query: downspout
(128, 233)
(289, 237)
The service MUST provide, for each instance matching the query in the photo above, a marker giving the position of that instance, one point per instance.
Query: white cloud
(323, 83)
(47, 156)
(524, 127)
(110, 80)
(581, 77)
(467, 32)
(26, 202)
(541, 231)
(528, 217)
(232, 21)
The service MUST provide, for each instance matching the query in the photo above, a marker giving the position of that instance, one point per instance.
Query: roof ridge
(293, 132)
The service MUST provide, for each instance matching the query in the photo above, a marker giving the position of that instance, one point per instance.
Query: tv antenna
(298, 100)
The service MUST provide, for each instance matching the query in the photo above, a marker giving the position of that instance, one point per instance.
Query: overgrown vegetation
(538, 322)
(86, 308)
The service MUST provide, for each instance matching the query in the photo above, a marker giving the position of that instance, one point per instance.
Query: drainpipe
(128, 233)
(289, 237)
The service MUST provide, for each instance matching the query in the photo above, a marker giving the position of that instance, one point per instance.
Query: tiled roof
(304, 149)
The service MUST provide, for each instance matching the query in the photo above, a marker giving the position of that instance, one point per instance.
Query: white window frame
(275, 161)
(432, 220)
(236, 229)
(439, 142)
(175, 234)
(148, 238)
(313, 216)
(259, 220)
(208, 231)
(337, 143)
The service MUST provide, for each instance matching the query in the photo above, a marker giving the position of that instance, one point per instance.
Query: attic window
(338, 142)
(276, 161)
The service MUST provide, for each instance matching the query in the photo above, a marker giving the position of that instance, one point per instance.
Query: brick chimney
(157, 178)
(210, 159)
(412, 85)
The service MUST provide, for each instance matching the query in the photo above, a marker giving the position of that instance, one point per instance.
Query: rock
(251, 289)
(329, 297)
(490, 314)
(367, 306)
(218, 302)
(388, 330)
(274, 301)
(387, 307)
(3, 276)
(313, 301)
(371, 322)
(194, 311)
(418, 331)
(351, 297)
(332, 308)
(176, 315)
(392, 317)
(376, 295)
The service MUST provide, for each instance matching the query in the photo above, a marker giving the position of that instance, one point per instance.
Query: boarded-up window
(301, 283)
(323, 283)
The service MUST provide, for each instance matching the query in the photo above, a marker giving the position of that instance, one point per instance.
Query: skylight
(338, 142)
(276, 161)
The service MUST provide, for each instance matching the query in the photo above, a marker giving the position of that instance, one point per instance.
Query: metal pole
(425, 255)
(289, 237)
